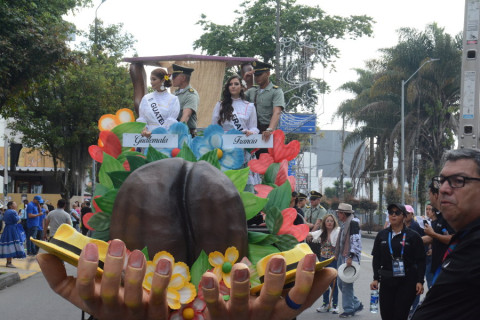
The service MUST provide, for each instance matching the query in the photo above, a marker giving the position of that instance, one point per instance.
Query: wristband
(269, 130)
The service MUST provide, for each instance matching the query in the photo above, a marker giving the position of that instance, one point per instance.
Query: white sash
(237, 123)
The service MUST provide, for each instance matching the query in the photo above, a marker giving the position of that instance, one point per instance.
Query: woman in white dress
(159, 108)
(234, 112)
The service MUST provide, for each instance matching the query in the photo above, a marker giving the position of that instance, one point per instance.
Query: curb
(8, 279)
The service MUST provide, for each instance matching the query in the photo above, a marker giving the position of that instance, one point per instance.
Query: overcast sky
(169, 27)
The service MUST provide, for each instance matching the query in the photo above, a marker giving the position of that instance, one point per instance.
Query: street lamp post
(402, 154)
(96, 23)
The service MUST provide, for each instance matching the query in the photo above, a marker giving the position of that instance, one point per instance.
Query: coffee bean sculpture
(181, 207)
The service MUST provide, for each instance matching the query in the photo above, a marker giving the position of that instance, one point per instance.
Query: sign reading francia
(156, 140)
(242, 141)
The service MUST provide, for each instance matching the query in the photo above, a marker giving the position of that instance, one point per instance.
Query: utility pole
(468, 131)
(342, 191)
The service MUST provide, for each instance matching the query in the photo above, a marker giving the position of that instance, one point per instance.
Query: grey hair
(465, 153)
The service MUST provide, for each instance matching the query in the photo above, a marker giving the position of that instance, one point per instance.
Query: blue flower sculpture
(179, 129)
(213, 139)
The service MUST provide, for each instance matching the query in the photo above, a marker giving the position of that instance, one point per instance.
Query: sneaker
(323, 308)
(347, 314)
(334, 310)
(359, 308)
(9, 265)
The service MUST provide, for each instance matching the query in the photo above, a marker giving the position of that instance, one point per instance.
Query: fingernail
(276, 265)
(115, 249)
(309, 262)
(207, 282)
(163, 267)
(240, 275)
(136, 259)
(91, 252)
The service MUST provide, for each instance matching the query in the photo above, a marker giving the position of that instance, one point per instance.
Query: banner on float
(243, 142)
(156, 140)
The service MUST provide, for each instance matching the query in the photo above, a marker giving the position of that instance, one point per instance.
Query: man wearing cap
(314, 214)
(454, 294)
(187, 96)
(347, 250)
(33, 222)
(302, 201)
(268, 99)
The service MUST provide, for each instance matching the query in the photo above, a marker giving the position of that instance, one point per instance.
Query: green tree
(252, 34)
(431, 103)
(32, 38)
(59, 112)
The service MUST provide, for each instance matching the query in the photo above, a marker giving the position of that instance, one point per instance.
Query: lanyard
(390, 244)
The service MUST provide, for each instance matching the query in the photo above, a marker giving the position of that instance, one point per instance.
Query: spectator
(457, 280)
(55, 218)
(398, 265)
(85, 209)
(347, 250)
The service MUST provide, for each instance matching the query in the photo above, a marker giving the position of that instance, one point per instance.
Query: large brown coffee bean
(181, 207)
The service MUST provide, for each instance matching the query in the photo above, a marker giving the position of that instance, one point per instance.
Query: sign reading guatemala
(156, 140)
(298, 123)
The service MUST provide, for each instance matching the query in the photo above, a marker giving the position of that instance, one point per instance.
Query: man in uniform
(268, 99)
(187, 96)
(314, 214)
(302, 201)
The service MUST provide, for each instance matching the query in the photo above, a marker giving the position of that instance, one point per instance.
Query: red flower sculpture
(277, 154)
(111, 146)
(300, 231)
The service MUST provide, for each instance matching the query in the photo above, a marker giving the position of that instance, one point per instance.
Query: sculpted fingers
(158, 307)
(215, 305)
(133, 290)
(240, 292)
(272, 288)
(87, 269)
(296, 297)
(112, 275)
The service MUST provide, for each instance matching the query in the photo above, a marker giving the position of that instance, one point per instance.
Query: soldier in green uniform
(314, 214)
(268, 99)
(187, 96)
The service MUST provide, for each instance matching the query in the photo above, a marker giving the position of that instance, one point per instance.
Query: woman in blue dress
(11, 243)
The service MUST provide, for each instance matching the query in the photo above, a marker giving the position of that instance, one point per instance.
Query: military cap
(260, 67)
(315, 195)
(179, 69)
(302, 196)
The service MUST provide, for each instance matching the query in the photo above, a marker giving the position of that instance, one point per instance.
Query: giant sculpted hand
(106, 298)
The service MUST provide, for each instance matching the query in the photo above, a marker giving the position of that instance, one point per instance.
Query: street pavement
(32, 298)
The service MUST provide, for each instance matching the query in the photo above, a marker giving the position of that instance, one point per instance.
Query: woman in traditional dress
(159, 108)
(11, 242)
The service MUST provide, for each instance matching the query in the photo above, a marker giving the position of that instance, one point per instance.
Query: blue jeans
(350, 302)
(333, 285)
(31, 247)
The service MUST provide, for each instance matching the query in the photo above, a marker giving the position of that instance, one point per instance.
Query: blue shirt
(32, 222)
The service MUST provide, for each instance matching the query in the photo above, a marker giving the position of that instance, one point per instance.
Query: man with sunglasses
(455, 290)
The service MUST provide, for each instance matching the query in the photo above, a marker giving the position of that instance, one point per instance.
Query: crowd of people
(36, 219)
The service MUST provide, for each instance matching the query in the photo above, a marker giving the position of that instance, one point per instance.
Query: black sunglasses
(397, 213)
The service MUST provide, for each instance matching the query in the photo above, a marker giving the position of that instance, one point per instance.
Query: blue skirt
(11, 244)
